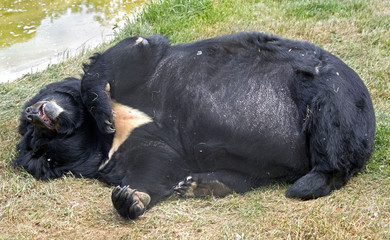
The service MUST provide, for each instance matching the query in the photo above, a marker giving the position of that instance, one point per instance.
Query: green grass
(322, 9)
(181, 20)
(356, 31)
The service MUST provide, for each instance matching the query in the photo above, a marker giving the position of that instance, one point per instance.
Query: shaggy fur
(221, 115)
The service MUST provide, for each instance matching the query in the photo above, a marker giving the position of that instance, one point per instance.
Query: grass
(357, 31)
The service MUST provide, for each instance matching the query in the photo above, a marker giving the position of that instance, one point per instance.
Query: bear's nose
(29, 110)
(29, 113)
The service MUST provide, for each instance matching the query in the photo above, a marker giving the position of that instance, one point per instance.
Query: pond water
(36, 33)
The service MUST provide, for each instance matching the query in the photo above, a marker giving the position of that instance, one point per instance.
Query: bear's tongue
(43, 115)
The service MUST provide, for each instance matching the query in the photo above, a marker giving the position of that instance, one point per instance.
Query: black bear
(212, 117)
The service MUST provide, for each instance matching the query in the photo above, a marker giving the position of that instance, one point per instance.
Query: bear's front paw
(105, 122)
(129, 203)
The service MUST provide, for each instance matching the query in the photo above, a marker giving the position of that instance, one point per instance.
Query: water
(35, 33)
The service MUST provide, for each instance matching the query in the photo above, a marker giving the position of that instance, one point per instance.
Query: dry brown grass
(81, 209)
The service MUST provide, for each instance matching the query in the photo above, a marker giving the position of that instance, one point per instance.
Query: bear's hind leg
(340, 139)
(315, 184)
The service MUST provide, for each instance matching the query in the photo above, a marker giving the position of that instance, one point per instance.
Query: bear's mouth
(43, 113)
(44, 117)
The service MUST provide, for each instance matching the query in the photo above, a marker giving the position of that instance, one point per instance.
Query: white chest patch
(126, 119)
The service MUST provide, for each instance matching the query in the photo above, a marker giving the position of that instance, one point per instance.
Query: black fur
(233, 112)
(75, 146)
